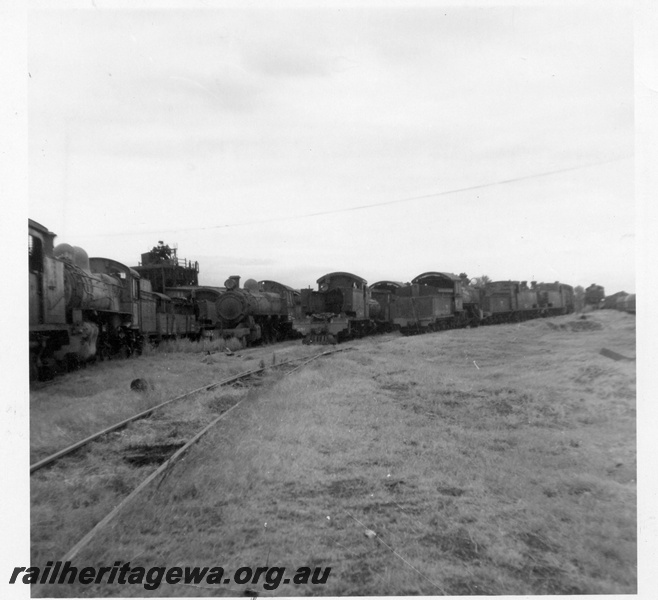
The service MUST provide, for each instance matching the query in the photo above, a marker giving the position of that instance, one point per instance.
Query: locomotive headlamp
(324, 287)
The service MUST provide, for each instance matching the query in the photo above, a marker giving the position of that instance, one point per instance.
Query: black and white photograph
(330, 299)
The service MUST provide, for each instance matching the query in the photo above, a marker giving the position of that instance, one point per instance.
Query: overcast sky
(286, 143)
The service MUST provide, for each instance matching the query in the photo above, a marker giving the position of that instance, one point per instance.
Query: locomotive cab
(385, 294)
(341, 293)
(46, 277)
(339, 309)
(121, 327)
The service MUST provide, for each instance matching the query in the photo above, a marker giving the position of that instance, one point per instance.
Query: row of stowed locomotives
(81, 308)
(508, 301)
(345, 307)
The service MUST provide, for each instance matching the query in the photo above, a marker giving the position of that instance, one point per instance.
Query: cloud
(147, 121)
(290, 60)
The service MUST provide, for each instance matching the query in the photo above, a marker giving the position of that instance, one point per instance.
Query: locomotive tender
(434, 301)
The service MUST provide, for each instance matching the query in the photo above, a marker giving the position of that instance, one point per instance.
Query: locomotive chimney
(233, 282)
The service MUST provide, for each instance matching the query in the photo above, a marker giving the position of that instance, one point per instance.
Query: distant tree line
(477, 282)
(162, 251)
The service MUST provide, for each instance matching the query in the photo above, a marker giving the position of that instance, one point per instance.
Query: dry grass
(187, 346)
(81, 403)
(492, 461)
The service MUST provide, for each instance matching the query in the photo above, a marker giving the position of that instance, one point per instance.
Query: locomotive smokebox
(231, 307)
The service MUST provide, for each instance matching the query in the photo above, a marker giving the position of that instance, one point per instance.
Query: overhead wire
(368, 206)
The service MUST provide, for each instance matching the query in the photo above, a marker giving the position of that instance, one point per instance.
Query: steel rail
(57, 455)
(167, 465)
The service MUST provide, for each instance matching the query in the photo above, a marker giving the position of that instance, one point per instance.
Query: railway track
(118, 455)
(289, 366)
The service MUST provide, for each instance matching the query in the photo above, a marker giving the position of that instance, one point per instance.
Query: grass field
(498, 460)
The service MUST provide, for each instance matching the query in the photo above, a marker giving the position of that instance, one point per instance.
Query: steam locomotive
(340, 309)
(595, 296)
(79, 308)
(251, 314)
